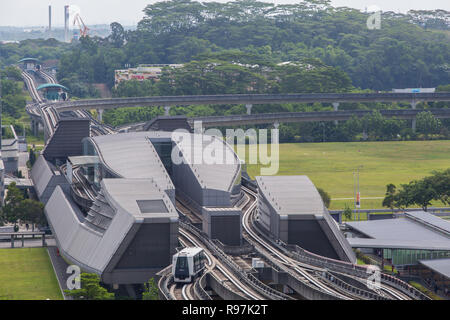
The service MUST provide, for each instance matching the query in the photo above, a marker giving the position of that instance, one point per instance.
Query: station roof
(52, 85)
(28, 59)
(402, 233)
(132, 155)
(291, 195)
(140, 197)
(441, 266)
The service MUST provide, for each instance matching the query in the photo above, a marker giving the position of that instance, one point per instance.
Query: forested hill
(405, 52)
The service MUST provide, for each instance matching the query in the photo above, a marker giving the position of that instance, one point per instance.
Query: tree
(347, 213)
(325, 197)
(31, 211)
(427, 123)
(32, 157)
(12, 207)
(390, 197)
(441, 184)
(90, 289)
(151, 291)
(117, 36)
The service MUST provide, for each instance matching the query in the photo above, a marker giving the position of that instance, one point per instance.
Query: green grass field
(330, 166)
(27, 274)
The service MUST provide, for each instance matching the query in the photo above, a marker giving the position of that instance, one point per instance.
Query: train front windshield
(182, 268)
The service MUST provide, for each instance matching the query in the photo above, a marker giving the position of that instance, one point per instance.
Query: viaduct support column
(336, 108)
(100, 115)
(414, 105)
(249, 108)
(166, 110)
(37, 125)
(33, 130)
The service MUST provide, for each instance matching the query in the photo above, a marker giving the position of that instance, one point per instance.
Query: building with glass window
(403, 241)
(112, 208)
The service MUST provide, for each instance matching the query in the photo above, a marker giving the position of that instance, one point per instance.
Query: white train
(188, 264)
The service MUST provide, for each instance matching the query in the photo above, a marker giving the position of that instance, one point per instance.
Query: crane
(83, 28)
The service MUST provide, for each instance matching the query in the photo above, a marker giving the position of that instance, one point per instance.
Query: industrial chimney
(66, 23)
(50, 20)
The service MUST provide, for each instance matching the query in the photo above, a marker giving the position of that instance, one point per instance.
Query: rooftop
(291, 195)
(140, 197)
(52, 85)
(132, 155)
(415, 231)
(441, 266)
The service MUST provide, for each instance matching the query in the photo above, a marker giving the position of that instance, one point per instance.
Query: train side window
(202, 259)
(195, 263)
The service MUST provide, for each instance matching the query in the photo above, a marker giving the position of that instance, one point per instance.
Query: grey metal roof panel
(400, 229)
(417, 244)
(41, 173)
(430, 219)
(441, 266)
(125, 194)
(291, 195)
(83, 244)
(214, 162)
(132, 155)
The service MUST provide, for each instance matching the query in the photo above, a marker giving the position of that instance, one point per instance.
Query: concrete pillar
(12, 241)
(23, 243)
(249, 108)
(336, 108)
(44, 244)
(276, 125)
(32, 126)
(99, 115)
(414, 121)
(166, 110)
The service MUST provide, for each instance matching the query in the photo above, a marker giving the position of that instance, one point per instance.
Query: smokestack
(66, 23)
(50, 20)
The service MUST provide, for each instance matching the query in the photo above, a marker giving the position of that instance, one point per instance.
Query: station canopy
(29, 60)
(52, 85)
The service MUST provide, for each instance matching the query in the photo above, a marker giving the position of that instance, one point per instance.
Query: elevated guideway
(289, 117)
(252, 99)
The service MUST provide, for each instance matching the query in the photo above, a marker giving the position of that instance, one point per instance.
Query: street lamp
(356, 193)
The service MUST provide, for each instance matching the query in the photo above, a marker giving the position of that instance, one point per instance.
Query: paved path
(60, 267)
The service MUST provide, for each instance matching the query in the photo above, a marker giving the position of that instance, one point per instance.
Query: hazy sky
(129, 12)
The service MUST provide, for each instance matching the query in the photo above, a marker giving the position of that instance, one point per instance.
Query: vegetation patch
(27, 274)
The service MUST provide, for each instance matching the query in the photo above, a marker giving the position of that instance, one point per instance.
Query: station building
(112, 209)
(53, 91)
(403, 241)
(416, 244)
(29, 64)
(291, 209)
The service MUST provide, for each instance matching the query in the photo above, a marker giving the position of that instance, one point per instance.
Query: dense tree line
(13, 100)
(18, 207)
(405, 52)
(420, 192)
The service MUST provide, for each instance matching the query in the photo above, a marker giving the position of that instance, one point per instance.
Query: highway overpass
(251, 99)
(285, 117)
